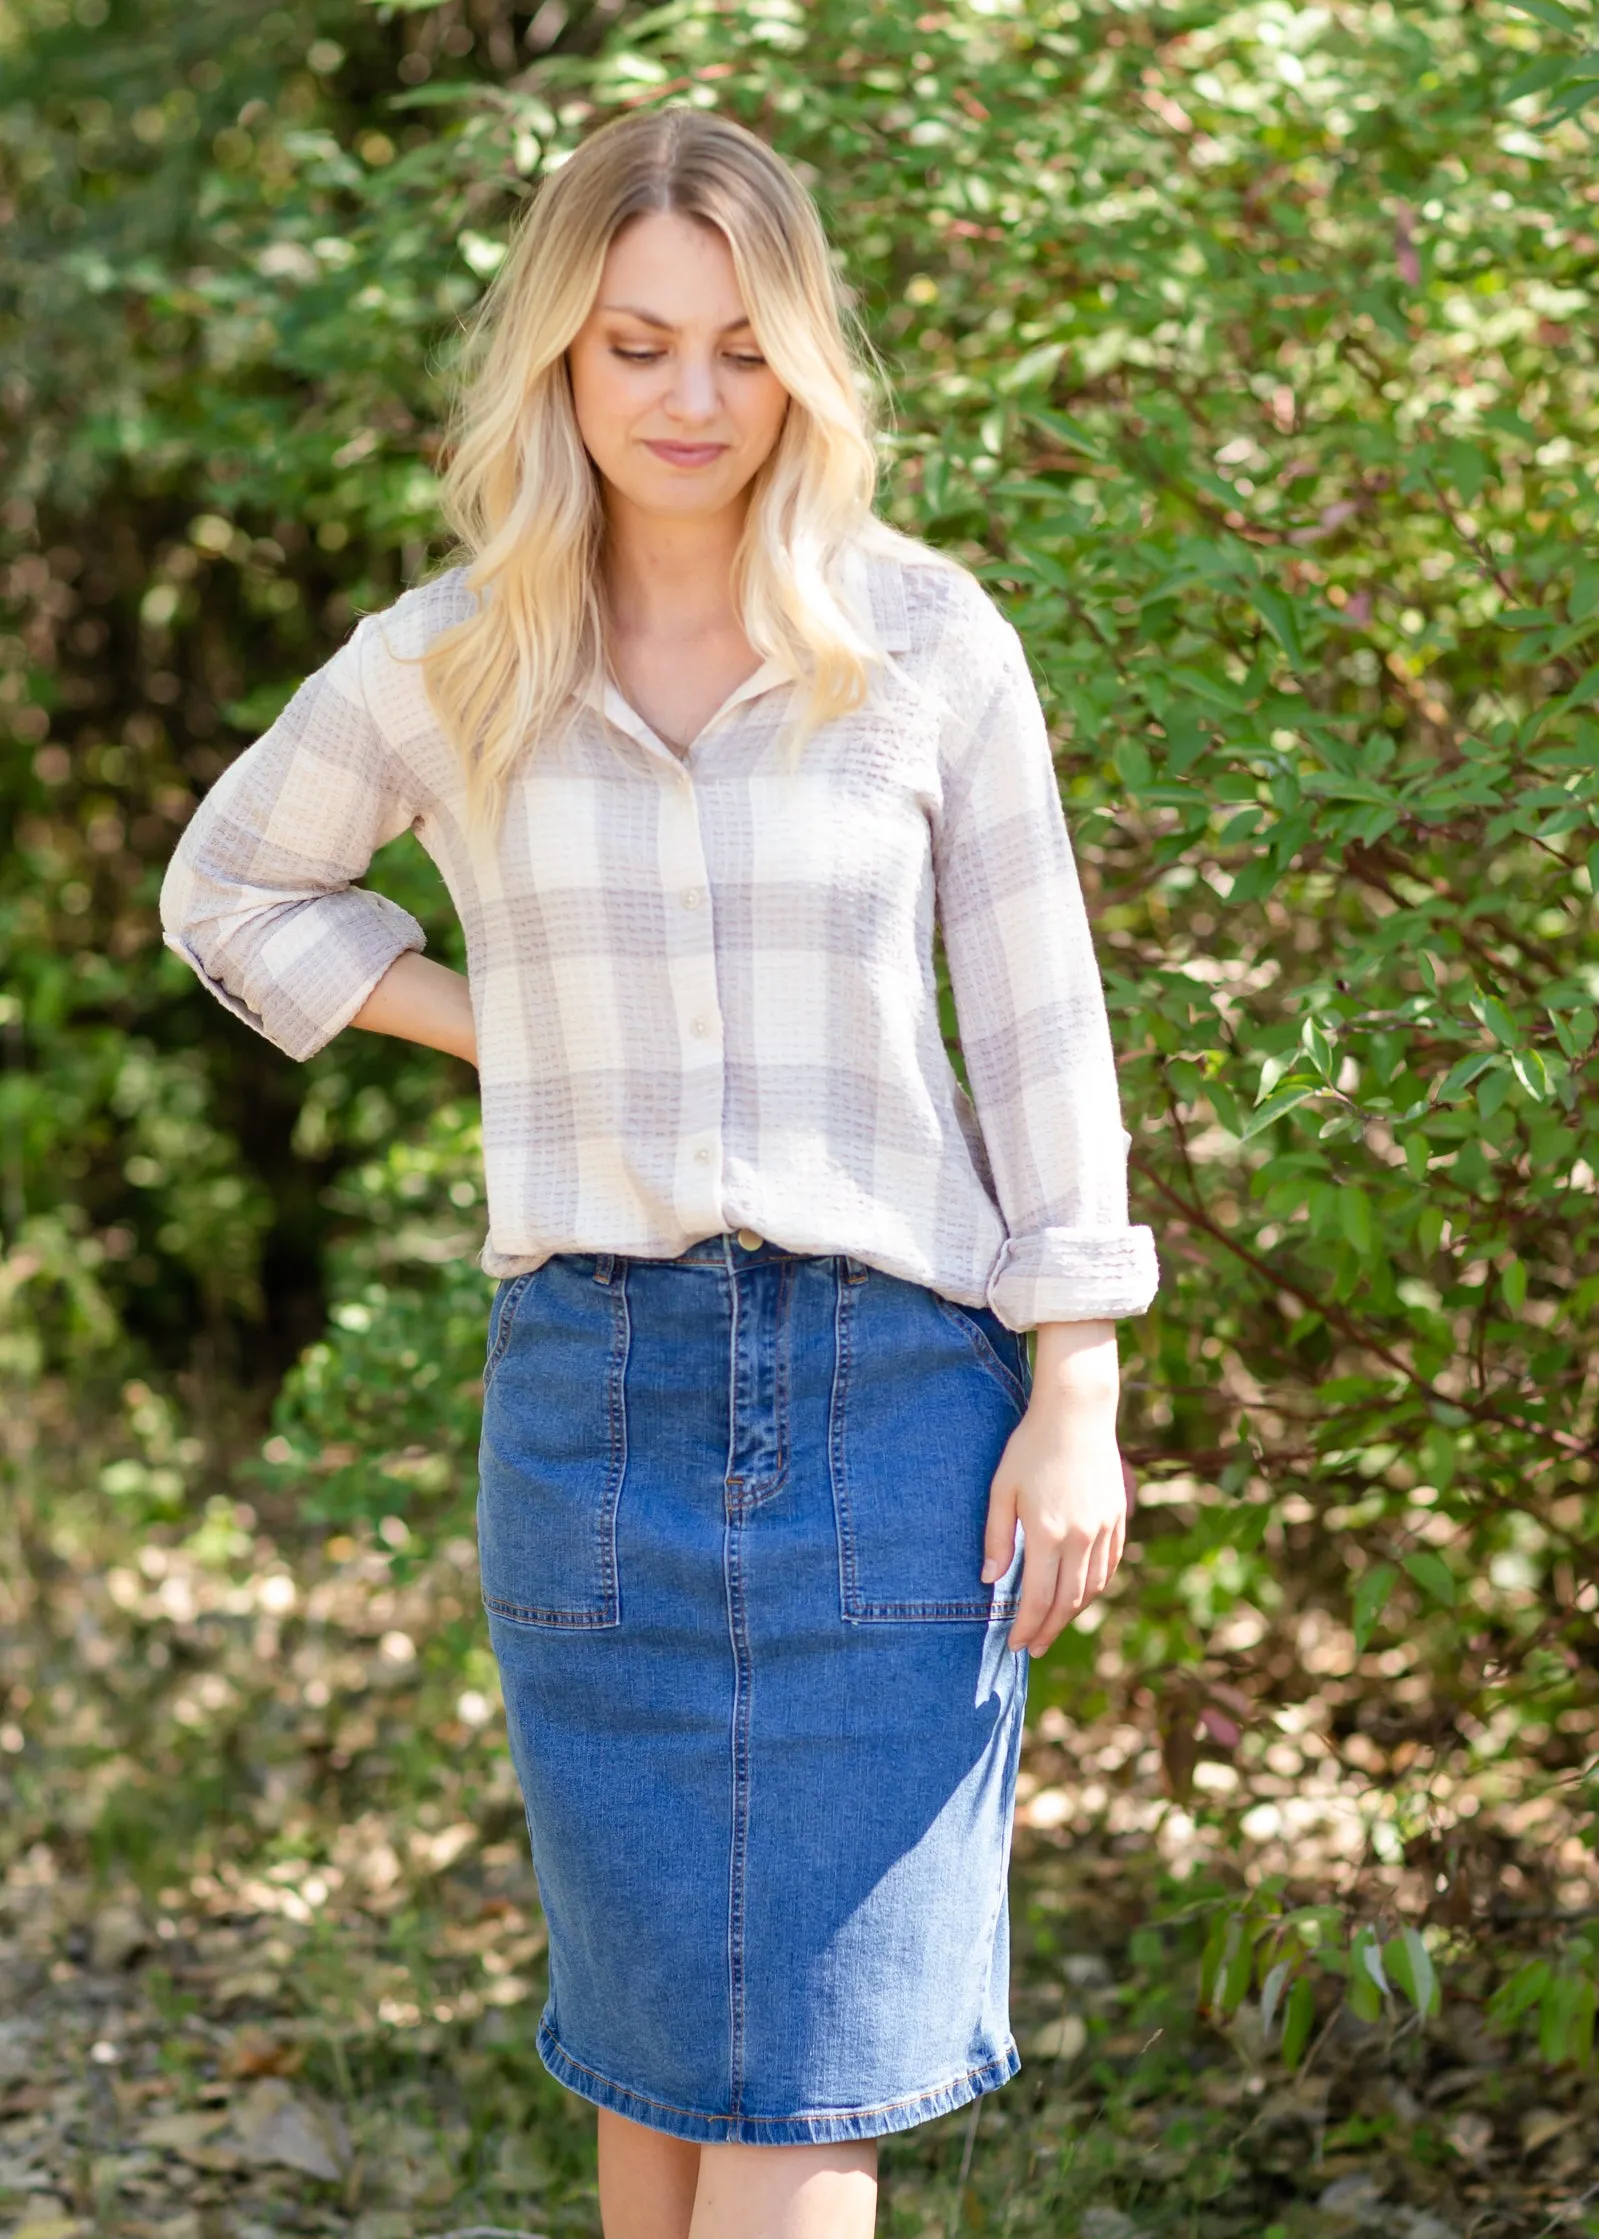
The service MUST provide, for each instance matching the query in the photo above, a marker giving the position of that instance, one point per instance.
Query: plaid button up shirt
(703, 984)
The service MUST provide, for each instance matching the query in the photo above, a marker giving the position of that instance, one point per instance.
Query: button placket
(691, 966)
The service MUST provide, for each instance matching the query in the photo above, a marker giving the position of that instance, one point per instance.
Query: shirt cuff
(311, 972)
(1074, 1275)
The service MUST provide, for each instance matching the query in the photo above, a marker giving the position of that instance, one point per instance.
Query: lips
(687, 454)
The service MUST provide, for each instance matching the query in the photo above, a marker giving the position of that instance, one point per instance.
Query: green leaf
(1299, 2017)
(1493, 1091)
(1210, 1963)
(1547, 71)
(1410, 1965)
(1460, 1077)
(1371, 1599)
(1318, 1046)
(1271, 1072)
(1271, 1991)
(1225, 1106)
(1433, 1575)
(1354, 1217)
(1551, 13)
(1236, 1971)
(1367, 1985)
(1524, 1989)
(1498, 1020)
(1556, 2010)
(1070, 434)
(1530, 1070)
(1281, 617)
(1513, 1282)
(1281, 1101)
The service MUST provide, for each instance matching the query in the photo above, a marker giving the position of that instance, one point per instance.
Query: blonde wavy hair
(524, 499)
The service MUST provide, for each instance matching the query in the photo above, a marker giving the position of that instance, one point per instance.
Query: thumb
(999, 1537)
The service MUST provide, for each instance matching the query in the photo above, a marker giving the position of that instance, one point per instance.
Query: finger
(1062, 1610)
(1072, 1586)
(1118, 1539)
(1040, 1573)
(999, 1533)
(1101, 1565)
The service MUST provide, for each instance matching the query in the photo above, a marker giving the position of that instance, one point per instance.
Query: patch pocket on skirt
(1001, 1350)
(923, 1404)
(554, 1448)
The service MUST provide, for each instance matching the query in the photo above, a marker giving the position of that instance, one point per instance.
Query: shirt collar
(608, 699)
(872, 578)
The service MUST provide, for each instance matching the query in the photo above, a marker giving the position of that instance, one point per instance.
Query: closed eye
(746, 361)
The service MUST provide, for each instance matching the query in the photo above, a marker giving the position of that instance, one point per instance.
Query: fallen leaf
(1107, 2223)
(131, 2092)
(45, 2218)
(1470, 2133)
(1540, 2124)
(1063, 2039)
(260, 1983)
(118, 1934)
(220, 2159)
(1357, 2199)
(256, 2052)
(275, 2129)
(178, 2133)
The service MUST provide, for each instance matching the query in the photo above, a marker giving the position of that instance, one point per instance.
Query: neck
(667, 575)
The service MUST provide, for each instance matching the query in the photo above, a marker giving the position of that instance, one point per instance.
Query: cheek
(598, 402)
(764, 415)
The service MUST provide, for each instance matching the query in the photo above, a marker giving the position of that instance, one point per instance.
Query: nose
(694, 393)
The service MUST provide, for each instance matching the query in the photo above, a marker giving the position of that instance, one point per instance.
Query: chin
(672, 495)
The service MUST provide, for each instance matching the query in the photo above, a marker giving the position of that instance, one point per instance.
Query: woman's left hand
(1061, 1477)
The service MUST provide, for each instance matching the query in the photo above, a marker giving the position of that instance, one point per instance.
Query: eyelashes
(745, 362)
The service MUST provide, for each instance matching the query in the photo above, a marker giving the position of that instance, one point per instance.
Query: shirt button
(700, 1026)
(703, 1154)
(692, 897)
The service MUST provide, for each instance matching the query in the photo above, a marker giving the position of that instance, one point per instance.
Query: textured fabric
(762, 1707)
(704, 983)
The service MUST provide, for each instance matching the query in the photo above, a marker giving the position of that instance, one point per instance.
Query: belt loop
(855, 1270)
(604, 1266)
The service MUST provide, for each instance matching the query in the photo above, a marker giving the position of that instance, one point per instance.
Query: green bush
(1249, 357)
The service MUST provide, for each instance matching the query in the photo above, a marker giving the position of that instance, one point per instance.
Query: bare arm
(420, 1001)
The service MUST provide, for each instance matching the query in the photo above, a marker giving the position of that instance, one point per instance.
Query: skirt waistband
(732, 1250)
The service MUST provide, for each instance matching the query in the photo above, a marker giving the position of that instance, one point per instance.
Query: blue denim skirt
(760, 1703)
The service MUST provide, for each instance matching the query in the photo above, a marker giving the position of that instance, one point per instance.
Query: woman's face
(676, 406)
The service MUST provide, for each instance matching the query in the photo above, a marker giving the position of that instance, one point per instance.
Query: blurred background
(1248, 354)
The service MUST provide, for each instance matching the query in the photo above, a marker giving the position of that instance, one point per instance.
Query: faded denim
(760, 1704)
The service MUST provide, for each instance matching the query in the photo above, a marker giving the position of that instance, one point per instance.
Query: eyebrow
(649, 318)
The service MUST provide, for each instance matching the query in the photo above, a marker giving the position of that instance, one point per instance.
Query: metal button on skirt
(760, 1703)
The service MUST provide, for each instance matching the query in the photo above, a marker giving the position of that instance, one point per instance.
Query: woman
(698, 745)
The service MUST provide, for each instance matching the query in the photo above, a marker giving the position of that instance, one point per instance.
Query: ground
(271, 1955)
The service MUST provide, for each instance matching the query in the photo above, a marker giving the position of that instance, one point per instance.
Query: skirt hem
(818, 2127)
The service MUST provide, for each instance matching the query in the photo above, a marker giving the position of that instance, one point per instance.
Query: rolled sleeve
(259, 897)
(1033, 1026)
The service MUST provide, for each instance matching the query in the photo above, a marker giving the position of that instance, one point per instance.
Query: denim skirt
(760, 1702)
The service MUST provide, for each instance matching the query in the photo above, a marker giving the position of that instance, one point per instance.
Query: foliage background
(1248, 354)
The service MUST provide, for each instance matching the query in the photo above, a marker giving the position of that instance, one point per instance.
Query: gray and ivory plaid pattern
(703, 983)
